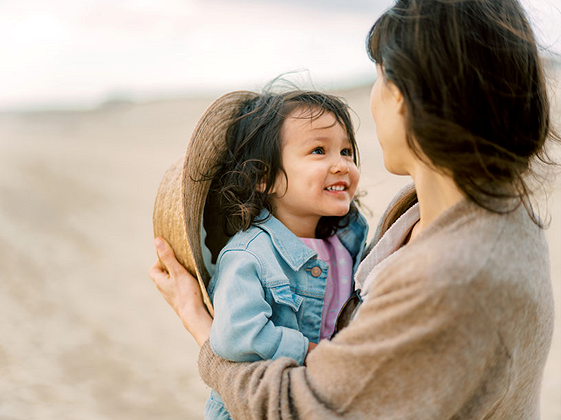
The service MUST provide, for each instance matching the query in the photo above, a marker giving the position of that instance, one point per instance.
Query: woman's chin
(395, 170)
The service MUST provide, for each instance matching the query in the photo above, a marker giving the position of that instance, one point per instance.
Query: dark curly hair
(245, 175)
(475, 92)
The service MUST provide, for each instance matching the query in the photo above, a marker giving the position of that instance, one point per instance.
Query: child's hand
(181, 291)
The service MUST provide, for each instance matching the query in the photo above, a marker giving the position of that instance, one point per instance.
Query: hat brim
(181, 197)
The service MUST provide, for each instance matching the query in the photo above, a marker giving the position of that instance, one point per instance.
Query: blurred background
(78, 54)
(97, 99)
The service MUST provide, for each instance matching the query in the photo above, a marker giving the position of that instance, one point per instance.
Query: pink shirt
(339, 278)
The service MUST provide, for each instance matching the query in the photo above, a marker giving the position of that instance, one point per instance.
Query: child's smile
(322, 177)
(338, 187)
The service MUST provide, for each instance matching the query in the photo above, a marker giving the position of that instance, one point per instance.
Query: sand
(85, 334)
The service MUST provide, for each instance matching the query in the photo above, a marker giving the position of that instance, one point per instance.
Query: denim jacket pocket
(284, 296)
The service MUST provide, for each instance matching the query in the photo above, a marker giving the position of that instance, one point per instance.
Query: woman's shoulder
(497, 264)
(469, 233)
(471, 250)
(469, 244)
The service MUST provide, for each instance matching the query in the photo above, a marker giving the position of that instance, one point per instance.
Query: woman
(457, 313)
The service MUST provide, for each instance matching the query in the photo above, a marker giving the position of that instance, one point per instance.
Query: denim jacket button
(316, 271)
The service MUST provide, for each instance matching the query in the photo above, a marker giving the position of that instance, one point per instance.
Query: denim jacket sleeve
(242, 330)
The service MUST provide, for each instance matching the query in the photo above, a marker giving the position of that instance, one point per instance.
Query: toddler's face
(317, 157)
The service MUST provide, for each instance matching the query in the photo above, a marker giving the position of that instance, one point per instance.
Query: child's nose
(340, 166)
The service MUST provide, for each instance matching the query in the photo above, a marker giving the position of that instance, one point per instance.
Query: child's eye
(347, 152)
(318, 151)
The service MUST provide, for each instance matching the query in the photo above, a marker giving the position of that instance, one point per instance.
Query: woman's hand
(181, 290)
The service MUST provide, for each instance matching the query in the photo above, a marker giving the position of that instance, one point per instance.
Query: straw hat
(180, 201)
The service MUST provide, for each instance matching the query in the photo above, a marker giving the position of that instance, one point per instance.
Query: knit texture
(457, 326)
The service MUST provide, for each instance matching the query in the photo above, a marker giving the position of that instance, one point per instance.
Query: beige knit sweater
(457, 326)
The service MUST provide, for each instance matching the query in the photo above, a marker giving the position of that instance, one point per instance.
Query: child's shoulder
(253, 239)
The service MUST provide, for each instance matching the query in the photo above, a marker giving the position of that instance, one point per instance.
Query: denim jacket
(267, 299)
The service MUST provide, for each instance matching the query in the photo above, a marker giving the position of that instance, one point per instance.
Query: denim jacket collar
(288, 245)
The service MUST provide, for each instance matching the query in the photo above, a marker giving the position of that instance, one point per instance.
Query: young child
(285, 189)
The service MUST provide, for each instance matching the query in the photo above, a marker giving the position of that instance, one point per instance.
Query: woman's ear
(399, 100)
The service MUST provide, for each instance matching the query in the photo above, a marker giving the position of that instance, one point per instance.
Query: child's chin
(341, 212)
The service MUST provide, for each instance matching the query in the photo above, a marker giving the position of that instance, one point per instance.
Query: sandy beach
(85, 334)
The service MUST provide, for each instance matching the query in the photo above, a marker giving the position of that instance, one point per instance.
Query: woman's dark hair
(474, 89)
(245, 176)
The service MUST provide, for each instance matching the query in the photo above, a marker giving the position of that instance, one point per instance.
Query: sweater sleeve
(411, 353)
(242, 330)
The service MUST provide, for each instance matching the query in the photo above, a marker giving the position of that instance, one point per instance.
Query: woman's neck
(436, 193)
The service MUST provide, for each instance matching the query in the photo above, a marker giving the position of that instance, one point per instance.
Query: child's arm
(242, 330)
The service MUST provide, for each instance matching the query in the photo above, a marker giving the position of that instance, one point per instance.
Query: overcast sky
(64, 53)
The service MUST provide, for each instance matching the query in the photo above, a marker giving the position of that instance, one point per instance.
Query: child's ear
(261, 187)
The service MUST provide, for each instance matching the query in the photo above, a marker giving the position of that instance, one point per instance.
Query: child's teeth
(336, 188)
